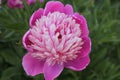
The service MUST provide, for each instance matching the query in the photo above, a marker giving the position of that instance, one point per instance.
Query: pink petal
(10, 4)
(31, 65)
(78, 64)
(68, 9)
(13, 4)
(25, 40)
(83, 24)
(29, 2)
(86, 47)
(36, 15)
(52, 71)
(52, 6)
(41, 1)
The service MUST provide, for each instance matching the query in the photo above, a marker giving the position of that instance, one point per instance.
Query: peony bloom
(19, 3)
(41, 1)
(0, 2)
(57, 39)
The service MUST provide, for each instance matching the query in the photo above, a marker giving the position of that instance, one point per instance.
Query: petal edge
(68, 9)
(36, 15)
(80, 19)
(52, 6)
(52, 71)
(78, 64)
(31, 65)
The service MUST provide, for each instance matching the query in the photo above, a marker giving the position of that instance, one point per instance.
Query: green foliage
(103, 17)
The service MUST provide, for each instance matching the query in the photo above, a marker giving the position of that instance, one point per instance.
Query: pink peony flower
(19, 3)
(0, 2)
(41, 1)
(57, 38)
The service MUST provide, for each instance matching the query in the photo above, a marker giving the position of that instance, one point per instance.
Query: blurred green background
(103, 17)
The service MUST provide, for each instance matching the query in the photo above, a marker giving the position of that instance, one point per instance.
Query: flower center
(55, 38)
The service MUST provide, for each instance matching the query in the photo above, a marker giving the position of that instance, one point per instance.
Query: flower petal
(52, 6)
(83, 24)
(86, 47)
(36, 15)
(10, 3)
(29, 2)
(13, 4)
(26, 41)
(68, 9)
(52, 71)
(31, 65)
(78, 64)
(41, 1)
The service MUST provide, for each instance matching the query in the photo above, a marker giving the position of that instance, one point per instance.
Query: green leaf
(11, 57)
(9, 73)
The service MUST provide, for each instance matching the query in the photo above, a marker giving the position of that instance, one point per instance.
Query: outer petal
(36, 15)
(25, 39)
(83, 24)
(78, 64)
(31, 65)
(12, 4)
(41, 1)
(68, 9)
(52, 71)
(86, 47)
(29, 2)
(52, 6)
